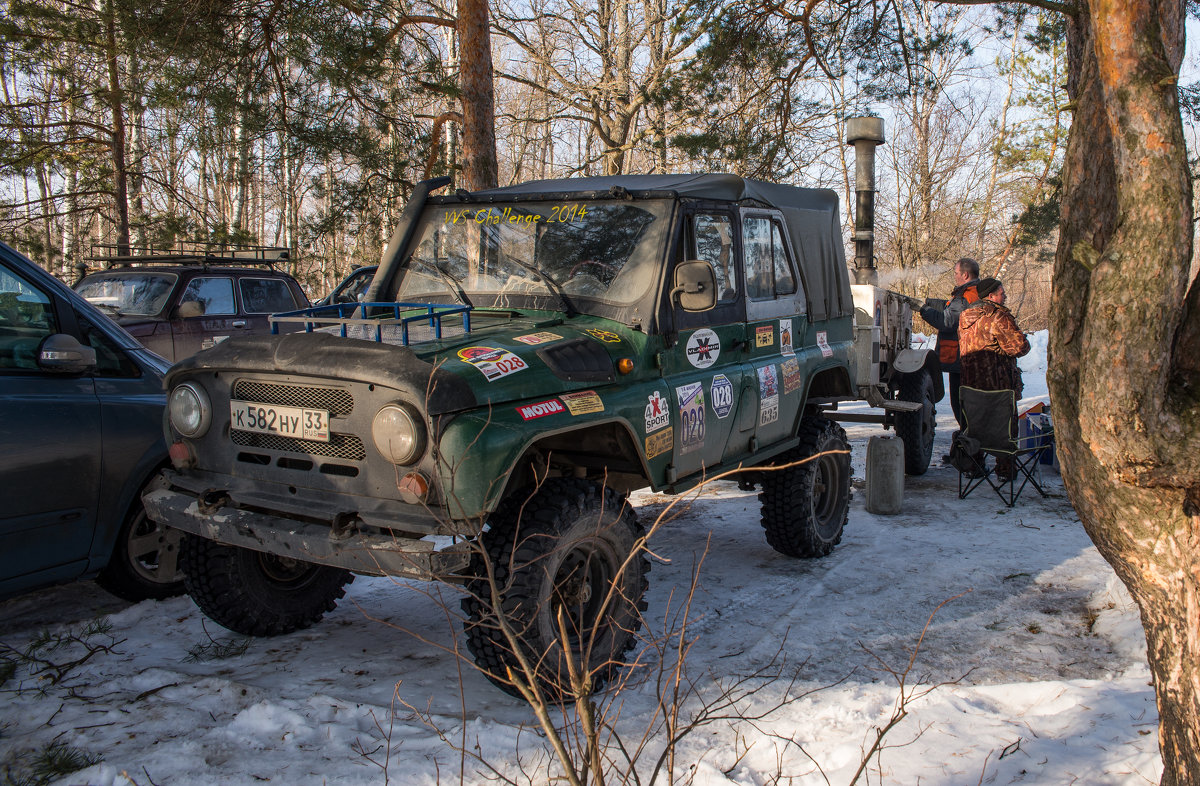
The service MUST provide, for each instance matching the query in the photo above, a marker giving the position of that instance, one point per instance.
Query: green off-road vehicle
(524, 358)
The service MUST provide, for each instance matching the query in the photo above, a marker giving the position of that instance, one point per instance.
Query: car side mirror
(64, 354)
(695, 285)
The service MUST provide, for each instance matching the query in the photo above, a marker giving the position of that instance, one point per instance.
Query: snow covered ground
(1033, 671)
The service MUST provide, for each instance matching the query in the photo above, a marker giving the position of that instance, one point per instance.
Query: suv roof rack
(203, 254)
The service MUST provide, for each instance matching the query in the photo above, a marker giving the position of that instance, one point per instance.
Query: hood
(497, 362)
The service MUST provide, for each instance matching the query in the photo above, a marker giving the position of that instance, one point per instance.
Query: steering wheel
(603, 267)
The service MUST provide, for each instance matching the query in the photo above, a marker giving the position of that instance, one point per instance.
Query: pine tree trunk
(478, 96)
(1123, 373)
(116, 103)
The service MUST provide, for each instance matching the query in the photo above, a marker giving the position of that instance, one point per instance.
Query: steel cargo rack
(200, 254)
(428, 317)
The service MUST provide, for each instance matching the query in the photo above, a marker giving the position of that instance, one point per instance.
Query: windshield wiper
(550, 285)
(109, 307)
(450, 280)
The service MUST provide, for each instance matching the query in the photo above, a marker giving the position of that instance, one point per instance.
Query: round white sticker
(703, 347)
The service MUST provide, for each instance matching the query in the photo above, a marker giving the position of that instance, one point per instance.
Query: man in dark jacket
(944, 317)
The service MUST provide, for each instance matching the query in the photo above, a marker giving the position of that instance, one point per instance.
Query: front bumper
(366, 552)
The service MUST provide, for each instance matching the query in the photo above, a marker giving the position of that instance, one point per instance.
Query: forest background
(306, 124)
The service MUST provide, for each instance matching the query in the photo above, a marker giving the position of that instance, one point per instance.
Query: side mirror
(695, 285)
(65, 354)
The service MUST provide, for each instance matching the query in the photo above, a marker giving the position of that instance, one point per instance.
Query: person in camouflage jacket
(989, 342)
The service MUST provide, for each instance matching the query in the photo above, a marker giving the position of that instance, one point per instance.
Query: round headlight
(190, 411)
(398, 434)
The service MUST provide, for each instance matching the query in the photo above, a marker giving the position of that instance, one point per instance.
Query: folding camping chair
(991, 423)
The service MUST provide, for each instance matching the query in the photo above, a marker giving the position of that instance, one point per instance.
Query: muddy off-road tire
(144, 560)
(804, 507)
(916, 429)
(569, 545)
(258, 594)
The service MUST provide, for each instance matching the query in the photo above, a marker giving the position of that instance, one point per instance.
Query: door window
(266, 295)
(712, 241)
(768, 270)
(26, 318)
(211, 296)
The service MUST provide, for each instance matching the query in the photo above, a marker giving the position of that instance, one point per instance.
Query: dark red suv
(178, 303)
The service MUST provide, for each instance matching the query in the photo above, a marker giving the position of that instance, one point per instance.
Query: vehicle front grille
(342, 446)
(337, 401)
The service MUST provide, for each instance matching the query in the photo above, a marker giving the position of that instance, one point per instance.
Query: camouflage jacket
(990, 343)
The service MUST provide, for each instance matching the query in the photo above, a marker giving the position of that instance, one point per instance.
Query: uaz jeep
(524, 357)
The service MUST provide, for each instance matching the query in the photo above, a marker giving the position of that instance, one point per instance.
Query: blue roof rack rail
(344, 314)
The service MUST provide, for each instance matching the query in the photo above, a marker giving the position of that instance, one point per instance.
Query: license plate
(285, 421)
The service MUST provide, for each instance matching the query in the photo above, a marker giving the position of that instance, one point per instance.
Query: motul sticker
(691, 416)
(607, 336)
(764, 336)
(703, 348)
(791, 375)
(538, 338)
(541, 409)
(823, 343)
(492, 363)
(768, 395)
(785, 337)
(657, 414)
(721, 393)
(660, 443)
(583, 403)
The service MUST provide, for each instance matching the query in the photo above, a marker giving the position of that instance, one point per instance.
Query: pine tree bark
(1125, 340)
(478, 96)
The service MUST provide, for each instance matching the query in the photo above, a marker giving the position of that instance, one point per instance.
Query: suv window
(266, 295)
(214, 295)
(26, 318)
(712, 241)
(768, 270)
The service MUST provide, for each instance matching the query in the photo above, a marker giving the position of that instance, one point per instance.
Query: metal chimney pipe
(864, 133)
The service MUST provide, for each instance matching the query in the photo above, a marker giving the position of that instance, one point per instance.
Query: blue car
(81, 408)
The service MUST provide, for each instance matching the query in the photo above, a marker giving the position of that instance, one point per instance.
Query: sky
(1029, 663)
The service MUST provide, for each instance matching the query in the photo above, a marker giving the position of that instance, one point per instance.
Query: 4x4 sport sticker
(703, 348)
(492, 363)
(657, 414)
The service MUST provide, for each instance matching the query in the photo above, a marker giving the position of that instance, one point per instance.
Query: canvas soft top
(813, 219)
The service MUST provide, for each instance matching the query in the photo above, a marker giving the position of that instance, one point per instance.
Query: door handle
(239, 323)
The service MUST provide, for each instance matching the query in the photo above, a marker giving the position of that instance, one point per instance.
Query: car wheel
(567, 552)
(258, 594)
(916, 429)
(144, 560)
(805, 506)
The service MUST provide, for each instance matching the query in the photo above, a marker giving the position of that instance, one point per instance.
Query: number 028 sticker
(691, 416)
(492, 363)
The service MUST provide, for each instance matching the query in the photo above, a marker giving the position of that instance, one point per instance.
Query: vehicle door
(205, 314)
(50, 428)
(775, 324)
(703, 369)
(261, 297)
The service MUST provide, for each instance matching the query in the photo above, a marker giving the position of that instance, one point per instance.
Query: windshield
(572, 250)
(134, 292)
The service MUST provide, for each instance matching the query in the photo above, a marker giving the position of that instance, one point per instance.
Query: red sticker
(541, 409)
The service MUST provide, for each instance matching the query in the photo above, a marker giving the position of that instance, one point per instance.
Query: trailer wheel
(567, 552)
(916, 429)
(805, 507)
(258, 594)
